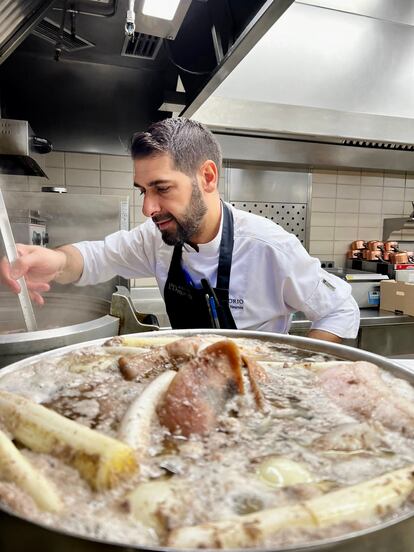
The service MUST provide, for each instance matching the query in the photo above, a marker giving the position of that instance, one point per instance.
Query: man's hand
(325, 336)
(38, 265)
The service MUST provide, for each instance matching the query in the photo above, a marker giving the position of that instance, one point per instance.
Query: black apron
(187, 306)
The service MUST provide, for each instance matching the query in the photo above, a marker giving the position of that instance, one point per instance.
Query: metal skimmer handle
(11, 252)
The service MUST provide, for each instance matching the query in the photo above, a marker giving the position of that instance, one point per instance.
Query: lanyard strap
(226, 249)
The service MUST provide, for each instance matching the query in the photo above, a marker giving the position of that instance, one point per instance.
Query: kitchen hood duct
(17, 19)
(50, 31)
(17, 142)
(95, 8)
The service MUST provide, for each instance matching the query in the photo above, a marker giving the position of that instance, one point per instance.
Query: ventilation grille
(49, 30)
(379, 145)
(141, 46)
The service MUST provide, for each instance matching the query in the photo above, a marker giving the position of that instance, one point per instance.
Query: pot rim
(342, 351)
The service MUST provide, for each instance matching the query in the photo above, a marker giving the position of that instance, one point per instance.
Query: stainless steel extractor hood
(17, 142)
(301, 135)
(330, 84)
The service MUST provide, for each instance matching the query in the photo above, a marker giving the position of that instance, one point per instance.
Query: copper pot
(374, 255)
(353, 254)
(390, 246)
(365, 254)
(399, 258)
(375, 245)
(358, 244)
(386, 256)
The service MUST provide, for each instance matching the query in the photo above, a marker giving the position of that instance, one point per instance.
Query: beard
(189, 224)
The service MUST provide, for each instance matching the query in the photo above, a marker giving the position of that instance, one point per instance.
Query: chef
(216, 266)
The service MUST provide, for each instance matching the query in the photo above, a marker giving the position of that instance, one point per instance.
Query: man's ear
(209, 176)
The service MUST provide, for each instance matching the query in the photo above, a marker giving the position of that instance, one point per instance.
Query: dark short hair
(188, 142)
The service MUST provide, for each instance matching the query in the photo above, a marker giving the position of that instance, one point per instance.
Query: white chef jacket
(272, 276)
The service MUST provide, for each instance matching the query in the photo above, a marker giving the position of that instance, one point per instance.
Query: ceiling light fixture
(160, 18)
(162, 9)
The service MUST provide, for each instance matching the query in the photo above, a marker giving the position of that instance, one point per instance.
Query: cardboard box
(397, 297)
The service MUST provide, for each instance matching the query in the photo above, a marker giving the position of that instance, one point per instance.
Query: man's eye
(164, 189)
(141, 192)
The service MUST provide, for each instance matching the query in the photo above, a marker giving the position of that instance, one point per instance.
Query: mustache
(162, 218)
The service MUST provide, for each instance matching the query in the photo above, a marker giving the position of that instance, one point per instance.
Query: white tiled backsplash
(346, 205)
(354, 204)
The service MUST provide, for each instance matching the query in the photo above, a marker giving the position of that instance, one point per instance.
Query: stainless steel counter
(369, 317)
(381, 332)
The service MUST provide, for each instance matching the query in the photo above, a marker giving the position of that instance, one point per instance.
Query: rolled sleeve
(120, 254)
(343, 322)
(325, 299)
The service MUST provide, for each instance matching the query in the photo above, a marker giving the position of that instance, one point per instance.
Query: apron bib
(187, 306)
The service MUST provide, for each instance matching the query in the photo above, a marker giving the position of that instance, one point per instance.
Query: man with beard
(216, 266)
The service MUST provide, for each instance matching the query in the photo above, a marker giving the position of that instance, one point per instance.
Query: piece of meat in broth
(143, 364)
(256, 375)
(171, 355)
(359, 389)
(184, 349)
(199, 391)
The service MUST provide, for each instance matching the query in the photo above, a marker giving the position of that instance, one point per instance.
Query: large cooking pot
(18, 534)
(63, 320)
(67, 318)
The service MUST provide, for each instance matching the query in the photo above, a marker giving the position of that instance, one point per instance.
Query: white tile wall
(323, 189)
(409, 182)
(82, 161)
(116, 163)
(116, 179)
(53, 159)
(362, 200)
(347, 191)
(83, 177)
(393, 194)
(394, 180)
(325, 176)
(84, 173)
(346, 219)
(372, 178)
(349, 177)
(322, 233)
(371, 192)
(323, 205)
(347, 205)
(322, 219)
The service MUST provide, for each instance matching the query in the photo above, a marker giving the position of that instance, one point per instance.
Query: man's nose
(151, 206)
